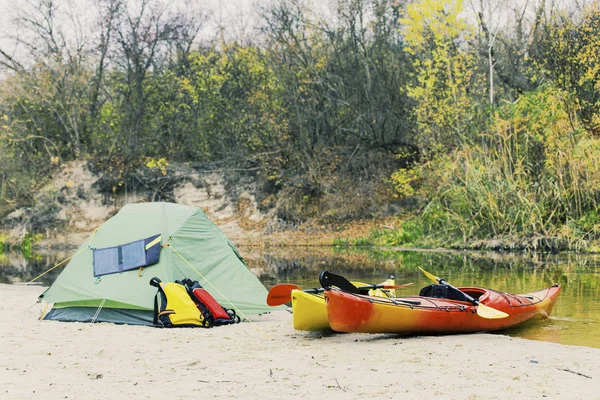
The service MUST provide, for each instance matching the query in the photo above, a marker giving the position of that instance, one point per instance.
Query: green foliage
(343, 95)
(237, 96)
(319, 110)
(22, 168)
(3, 244)
(340, 242)
(28, 244)
(410, 232)
(533, 174)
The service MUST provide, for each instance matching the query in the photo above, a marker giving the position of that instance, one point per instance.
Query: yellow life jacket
(174, 307)
(385, 293)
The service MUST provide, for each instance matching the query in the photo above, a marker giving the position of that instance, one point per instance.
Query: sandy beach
(267, 359)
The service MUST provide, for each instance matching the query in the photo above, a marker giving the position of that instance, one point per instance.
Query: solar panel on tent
(133, 255)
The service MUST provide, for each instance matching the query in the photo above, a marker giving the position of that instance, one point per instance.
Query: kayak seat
(442, 292)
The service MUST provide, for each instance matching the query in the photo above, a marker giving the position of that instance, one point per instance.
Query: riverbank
(268, 359)
(237, 210)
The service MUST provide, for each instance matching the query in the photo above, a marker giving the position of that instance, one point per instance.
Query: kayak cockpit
(476, 293)
(451, 293)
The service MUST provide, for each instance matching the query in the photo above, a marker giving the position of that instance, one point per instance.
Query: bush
(534, 172)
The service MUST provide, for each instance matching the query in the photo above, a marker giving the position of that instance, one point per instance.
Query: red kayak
(348, 312)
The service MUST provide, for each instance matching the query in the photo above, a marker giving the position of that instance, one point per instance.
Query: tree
(147, 34)
(566, 51)
(489, 23)
(445, 72)
(54, 80)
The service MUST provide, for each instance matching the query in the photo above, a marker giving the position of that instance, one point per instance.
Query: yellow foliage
(433, 20)
(435, 32)
(574, 44)
(401, 181)
(161, 164)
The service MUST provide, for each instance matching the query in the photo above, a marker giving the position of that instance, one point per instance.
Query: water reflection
(575, 319)
(15, 268)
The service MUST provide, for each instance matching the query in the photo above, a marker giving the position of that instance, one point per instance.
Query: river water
(574, 321)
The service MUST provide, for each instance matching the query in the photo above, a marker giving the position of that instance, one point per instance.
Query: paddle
(282, 293)
(327, 280)
(482, 310)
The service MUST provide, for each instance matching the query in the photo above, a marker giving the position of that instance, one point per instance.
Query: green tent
(186, 245)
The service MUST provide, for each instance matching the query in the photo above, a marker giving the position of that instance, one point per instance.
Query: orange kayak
(349, 312)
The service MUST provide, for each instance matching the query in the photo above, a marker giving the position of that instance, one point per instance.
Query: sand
(267, 359)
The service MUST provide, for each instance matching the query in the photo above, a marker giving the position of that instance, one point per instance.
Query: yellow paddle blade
(430, 276)
(489, 312)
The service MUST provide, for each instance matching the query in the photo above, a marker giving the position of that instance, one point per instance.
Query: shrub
(532, 173)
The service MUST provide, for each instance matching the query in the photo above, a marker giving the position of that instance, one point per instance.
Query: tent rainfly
(107, 280)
